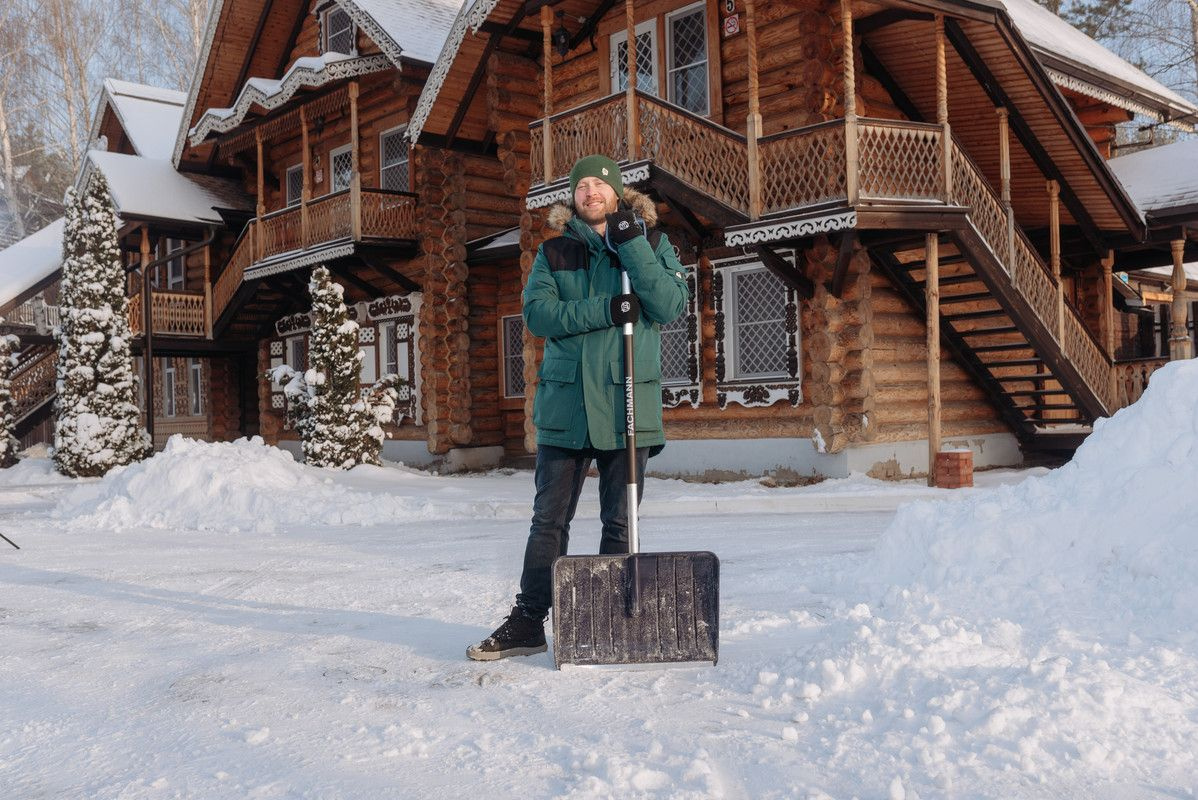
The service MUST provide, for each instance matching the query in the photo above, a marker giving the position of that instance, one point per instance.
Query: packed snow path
(220, 622)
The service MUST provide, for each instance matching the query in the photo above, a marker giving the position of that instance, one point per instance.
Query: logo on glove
(625, 306)
(623, 225)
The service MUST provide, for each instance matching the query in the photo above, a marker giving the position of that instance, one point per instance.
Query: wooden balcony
(173, 313)
(320, 226)
(803, 168)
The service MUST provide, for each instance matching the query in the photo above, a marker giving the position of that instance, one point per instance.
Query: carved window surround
(690, 390)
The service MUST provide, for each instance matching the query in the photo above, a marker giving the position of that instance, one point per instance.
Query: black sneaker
(519, 635)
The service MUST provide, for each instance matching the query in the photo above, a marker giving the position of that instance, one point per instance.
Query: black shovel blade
(600, 617)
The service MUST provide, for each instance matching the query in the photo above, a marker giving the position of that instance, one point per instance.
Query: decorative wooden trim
(676, 394)
(779, 230)
(560, 192)
(932, 307)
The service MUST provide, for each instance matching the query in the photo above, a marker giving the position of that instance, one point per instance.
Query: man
(573, 299)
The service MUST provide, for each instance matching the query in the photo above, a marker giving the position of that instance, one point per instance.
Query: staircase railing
(34, 381)
(1031, 278)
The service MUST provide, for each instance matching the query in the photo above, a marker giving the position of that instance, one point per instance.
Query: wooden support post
(850, 102)
(1054, 254)
(355, 180)
(942, 111)
(147, 328)
(547, 57)
(634, 125)
(306, 192)
(261, 208)
(1179, 338)
(1107, 324)
(753, 123)
(932, 301)
(1004, 163)
(208, 290)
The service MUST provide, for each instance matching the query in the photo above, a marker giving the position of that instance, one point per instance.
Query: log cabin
(899, 218)
(901, 228)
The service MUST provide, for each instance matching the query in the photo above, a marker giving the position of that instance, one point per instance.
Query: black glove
(623, 226)
(625, 308)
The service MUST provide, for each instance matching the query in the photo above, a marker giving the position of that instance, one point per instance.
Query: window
(393, 165)
(646, 59)
(676, 352)
(389, 349)
(757, 321)
(168, 387)
(295, 184)
(338, 31)
(297, 353)
(686, 50)
(341, 168)
(513, 356)
(176, 268)
(194, 395)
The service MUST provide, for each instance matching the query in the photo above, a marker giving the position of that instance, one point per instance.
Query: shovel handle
(634, 543)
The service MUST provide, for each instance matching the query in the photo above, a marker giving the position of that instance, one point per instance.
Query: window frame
(670, 68)
(613, 43)
(506, 361)
(325, 30)
(388, 346)
(399, 130)
(732, 322)
(288, 201)
(295, 350)
(333, 154)
(173, 246)
(195, 387)
(168, 388)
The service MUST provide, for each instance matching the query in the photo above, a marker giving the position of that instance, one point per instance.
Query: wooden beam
(932, 305)
(253, 46)
(701, 231)
(884, 19)
(387, 272)
(1179, 338)
(843, 258)
(850, 101)
(785, 272)
(634, 127)
(1027, 138)
(491, 28)
(297, 26)
(496, 34)
(369, 288)
(753, 122)
(587, 31)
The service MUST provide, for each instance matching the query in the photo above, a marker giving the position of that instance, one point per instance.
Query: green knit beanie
(600, 167)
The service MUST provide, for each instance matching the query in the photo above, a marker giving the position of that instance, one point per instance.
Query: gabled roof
(149, 115)
(1161, 179)
(1077, 62)
(151, 188)
(405, 30)
(31, 261)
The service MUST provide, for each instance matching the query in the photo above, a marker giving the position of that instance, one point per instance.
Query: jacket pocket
(646, 392)
(559, 395)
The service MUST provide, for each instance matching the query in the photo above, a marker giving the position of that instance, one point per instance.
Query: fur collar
(642, 204)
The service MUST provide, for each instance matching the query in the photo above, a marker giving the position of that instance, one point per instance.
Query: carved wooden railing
(1031, 277)
(173, 313)
(803, 167)
(697, 151)
(389, 215)
(1131, 378)
(34, 380)
(383, 215)
(600, 126)
(899, 160)
(26, 314)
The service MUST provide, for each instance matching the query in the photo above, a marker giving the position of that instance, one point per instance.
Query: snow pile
(1042, 631)
(248, 486)
(1113, 533)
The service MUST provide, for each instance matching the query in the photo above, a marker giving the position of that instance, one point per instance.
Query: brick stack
(954, 469)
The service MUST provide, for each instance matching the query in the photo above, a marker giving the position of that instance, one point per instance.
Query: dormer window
(338, 31)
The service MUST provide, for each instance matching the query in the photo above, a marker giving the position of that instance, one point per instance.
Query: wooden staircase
(33, 386)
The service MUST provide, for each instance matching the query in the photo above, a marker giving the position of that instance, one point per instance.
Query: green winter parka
(580, 391)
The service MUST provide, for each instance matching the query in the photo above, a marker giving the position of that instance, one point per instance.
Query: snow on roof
(1191, 271)
(30, 261)
(1107, 77)
(418, 28)
(149, 115)
(152, 188)
(1160, 178)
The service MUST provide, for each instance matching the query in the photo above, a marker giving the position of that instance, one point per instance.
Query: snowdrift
(1113, 533)
(248, 486)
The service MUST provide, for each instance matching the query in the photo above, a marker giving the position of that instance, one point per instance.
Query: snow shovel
(639, 608)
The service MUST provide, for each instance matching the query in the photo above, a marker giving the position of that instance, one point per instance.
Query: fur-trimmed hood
(642, 204)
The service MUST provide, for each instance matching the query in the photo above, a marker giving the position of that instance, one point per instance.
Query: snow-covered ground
(220, 622)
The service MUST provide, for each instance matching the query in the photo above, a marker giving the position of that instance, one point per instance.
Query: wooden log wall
(486, 419)
(224, 398)
(901, 376)
(444, 313)
(533, 231)
(270, 419)
(839, 344)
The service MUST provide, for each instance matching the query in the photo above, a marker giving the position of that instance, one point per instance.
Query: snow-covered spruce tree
(337, 426)
(96, 420)
(9, 345)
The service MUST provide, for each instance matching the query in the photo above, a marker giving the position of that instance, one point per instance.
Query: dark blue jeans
(559, 477)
